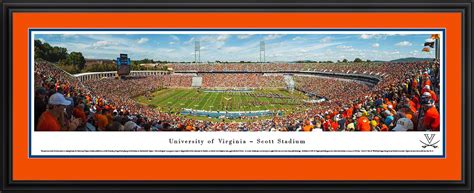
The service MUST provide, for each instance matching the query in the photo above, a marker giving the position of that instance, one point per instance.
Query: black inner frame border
(264, 6)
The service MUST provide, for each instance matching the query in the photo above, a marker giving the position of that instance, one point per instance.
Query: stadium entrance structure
(290, 83)
(196, 82)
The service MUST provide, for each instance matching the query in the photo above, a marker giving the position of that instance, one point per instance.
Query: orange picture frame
(447, 169)
(450, 172)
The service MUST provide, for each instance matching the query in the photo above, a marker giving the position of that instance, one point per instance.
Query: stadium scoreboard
(123, 65)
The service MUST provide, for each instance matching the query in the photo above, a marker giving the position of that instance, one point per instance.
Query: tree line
(356, 60)
(73, 62)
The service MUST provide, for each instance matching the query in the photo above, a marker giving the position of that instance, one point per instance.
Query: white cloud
(103, 43)
(244, 36)
(110, 38)
(352, 50)
(214, 47)
(303, 50)
(70, 36)
(142, 40)
(108, 46)
(390, 52)
(326, 39)
(175, 38)
(190, 41)
(291, 51)
(272, 37)
(343, 47)
(232, 49)
(211, 41)
(366, 36)
(376, 36)
(212, 38)
(404, 43)
(429, 40)
(297, 38)
(376, 45)
(223, 37)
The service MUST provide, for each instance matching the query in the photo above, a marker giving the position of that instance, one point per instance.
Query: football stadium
(343, 96)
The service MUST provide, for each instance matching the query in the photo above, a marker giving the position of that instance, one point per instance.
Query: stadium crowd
(407, 98)
(241, 80)
(337, 91)
(376, 69)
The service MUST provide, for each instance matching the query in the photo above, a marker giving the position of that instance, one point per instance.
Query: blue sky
(237, 47)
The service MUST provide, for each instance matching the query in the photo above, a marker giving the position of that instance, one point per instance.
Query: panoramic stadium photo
(238, 81)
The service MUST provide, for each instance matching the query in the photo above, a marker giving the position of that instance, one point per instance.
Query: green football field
(171, 99)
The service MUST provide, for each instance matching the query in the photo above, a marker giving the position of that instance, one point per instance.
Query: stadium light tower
(262, 49)
(437, 51)
(197, 52)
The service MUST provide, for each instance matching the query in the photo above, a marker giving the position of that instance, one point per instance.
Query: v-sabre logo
(429, 143)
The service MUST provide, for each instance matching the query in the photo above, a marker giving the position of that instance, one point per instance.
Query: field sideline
(266, 99)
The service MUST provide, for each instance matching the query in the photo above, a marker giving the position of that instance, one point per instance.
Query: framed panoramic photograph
(247, 96)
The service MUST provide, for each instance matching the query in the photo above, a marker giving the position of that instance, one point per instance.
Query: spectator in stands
(403, 124)
(54, 119)
(395, 97)
(41, 102)
(363, 123)
(431, 120)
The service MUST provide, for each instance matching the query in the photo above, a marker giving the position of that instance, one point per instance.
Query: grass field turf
(175, 99)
